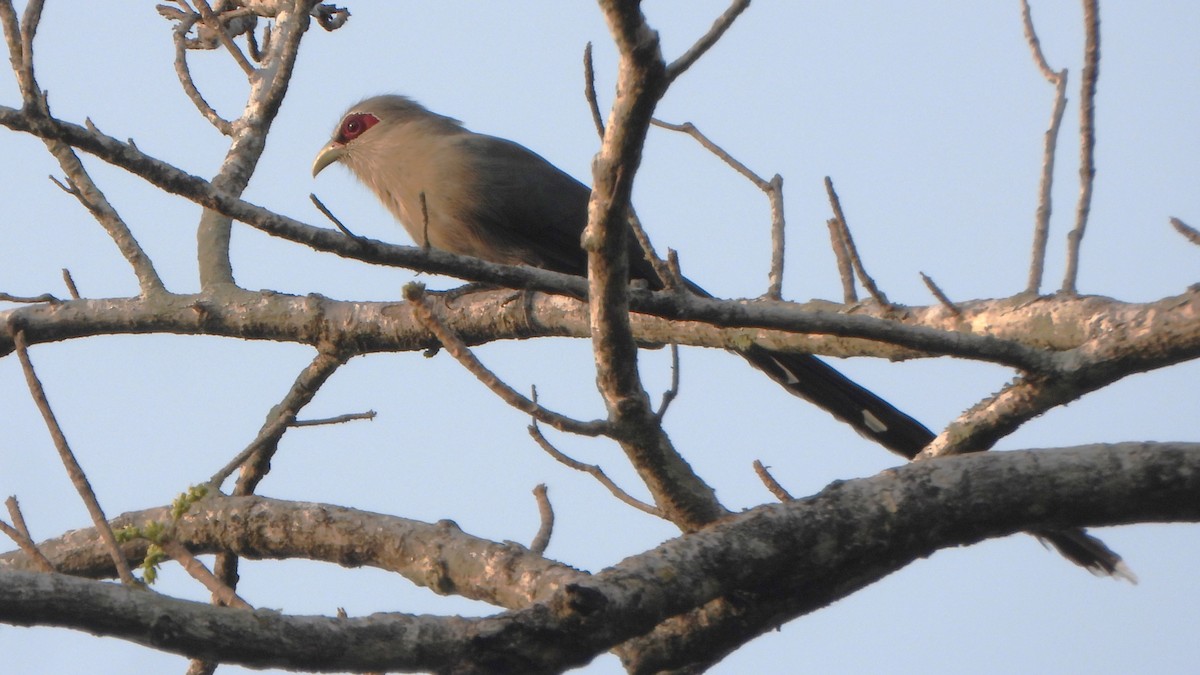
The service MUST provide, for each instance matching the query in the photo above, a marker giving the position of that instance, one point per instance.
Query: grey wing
(529, 209)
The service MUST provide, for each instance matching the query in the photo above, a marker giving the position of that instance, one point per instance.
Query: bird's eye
(354, 125)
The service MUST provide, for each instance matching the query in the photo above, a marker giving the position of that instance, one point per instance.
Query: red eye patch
(354, 125)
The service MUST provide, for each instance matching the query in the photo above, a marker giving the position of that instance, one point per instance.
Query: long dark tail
(818, 383)
(815, 381)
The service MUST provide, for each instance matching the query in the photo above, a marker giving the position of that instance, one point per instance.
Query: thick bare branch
(438, 556)
(267, 88)
(934, 505)
(682, 496)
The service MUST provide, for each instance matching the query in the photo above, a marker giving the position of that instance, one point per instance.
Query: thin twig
(281, 417)
(773, 189)
(338, 419)
(222, 592)
(937, 293)
(19, 533)
(546, 515)
(81, 186)
(773, 485)
(252, 45)
(851, 250)
(589, 90)
(722, 24)
(1191, 233)
(1041, 231)
(775, 276)
(184, 73)
(218, 26)
(670, 394)
(425, 221)
(20, 41)
(670, 280)
(29, 22)
(1087, 143)
(594, 471)
(74, 470)
(329, 214)
(70, 282)
(673, 264)
(845, 268)
(255, 459)
(691, 130)
(414, 293)
(19, 36)
(1035, 45)
(25, 299)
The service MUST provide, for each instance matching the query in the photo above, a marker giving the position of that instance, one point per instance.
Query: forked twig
(850, 249)
(218, 27)
(842, 255)
(184, 73)
(281, 417)
(671, 280)
(592, 470)
(1041, 231)
(773, 189)
(19, 533)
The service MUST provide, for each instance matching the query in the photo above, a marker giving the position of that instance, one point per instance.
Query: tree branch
(1087, 142)
(786, 547)
(681, 495)
(847, 245)
(74, 470)
(1041, 230)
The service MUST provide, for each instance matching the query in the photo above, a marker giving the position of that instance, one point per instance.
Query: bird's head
(367, 127)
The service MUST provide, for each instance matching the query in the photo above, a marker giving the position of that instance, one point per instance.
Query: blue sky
(927, 115)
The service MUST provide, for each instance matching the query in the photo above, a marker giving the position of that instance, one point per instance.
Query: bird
(491, 198)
